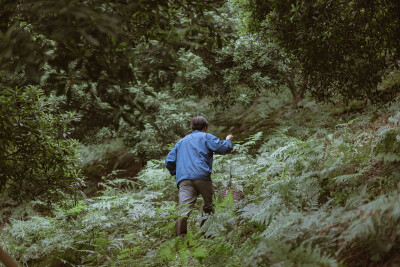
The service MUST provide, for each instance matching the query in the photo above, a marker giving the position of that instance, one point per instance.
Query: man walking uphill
(191, 161)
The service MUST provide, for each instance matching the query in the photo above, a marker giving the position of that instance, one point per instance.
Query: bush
(38, 160)
(388, 145)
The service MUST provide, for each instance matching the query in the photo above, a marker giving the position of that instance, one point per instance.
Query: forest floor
(320, 186)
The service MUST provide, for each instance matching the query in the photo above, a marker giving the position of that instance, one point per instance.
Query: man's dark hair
(199, 123)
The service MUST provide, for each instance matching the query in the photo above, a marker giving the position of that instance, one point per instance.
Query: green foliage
(285, 255)
(193, 72)
(249, 65)
(123, 81)
(94, 156)
(319, 185)
(155, 176)
(314, 196)
(249, 142)
(144, 130)
(388, 143)
(183, 252)
(100, 32)
(38, 159)
(317, 34)
(114, 226)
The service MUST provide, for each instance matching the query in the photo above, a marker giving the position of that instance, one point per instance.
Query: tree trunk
(296, 99)
(298, 92)
(7, 260)
(296, 96)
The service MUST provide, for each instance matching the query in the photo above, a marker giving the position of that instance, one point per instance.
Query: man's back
(192, 156)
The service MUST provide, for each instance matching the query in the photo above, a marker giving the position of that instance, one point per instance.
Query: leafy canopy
(344, 47)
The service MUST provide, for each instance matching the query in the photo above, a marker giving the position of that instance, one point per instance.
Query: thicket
(38, 158)
(121, 67)
(321, 190)
(94, 93)
(343, 48)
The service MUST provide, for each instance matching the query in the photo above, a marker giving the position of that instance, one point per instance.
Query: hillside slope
(320, 186)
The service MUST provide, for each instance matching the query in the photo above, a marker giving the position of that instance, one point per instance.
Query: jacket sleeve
(170, 161)
(218, 146)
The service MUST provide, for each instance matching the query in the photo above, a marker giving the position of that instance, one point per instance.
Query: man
(191, 161)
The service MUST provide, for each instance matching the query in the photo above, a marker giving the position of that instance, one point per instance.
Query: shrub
(38, 160)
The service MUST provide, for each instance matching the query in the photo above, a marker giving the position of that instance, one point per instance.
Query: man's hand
(229, 137)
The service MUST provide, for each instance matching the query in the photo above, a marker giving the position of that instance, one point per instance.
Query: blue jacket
(192, 156)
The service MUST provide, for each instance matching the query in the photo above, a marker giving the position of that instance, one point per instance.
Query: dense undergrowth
(321, 188)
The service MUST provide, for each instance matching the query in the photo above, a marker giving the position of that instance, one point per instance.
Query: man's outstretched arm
(219, 146)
